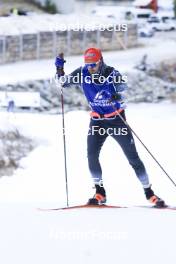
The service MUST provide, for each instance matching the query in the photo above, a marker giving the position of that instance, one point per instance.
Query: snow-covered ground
(88, 236)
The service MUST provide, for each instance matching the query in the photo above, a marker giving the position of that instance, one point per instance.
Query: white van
(139, 14)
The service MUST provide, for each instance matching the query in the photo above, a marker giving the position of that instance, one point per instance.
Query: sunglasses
(92, 65)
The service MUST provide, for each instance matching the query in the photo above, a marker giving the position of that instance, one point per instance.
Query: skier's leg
(128, 146)
(95, 141)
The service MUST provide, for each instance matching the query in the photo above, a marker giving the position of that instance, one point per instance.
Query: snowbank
(45, 22)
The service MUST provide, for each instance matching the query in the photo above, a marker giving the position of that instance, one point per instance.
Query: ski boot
(152, 198)
(100, 196)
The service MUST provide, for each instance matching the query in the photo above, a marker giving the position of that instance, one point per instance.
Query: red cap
(92, 55)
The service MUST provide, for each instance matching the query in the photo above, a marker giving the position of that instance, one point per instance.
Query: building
(150, 4)
(165, 6)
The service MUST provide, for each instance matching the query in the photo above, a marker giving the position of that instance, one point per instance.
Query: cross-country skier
(102, 86)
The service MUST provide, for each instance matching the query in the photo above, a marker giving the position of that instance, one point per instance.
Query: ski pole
(150, 153)
(64, 143)
(60, 72)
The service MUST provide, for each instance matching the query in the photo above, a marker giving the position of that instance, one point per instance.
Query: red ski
(83, 206)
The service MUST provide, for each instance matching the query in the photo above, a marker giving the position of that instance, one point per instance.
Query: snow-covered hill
(125, 236)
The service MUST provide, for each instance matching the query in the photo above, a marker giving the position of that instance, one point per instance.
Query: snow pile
(45, 22)
(165, 71)
(13, 146)
(145, 88)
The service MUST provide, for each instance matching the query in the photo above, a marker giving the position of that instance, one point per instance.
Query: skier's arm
(73, 78)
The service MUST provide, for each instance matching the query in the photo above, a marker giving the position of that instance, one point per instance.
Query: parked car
(123, 12)
(161, 23)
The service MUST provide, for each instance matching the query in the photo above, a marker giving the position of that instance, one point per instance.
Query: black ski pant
(99, 130)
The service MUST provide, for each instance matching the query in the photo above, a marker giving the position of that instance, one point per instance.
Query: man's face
(93, 67)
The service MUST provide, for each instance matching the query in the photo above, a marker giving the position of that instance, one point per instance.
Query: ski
(87, 206)
(103, 206)
(167, 207)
